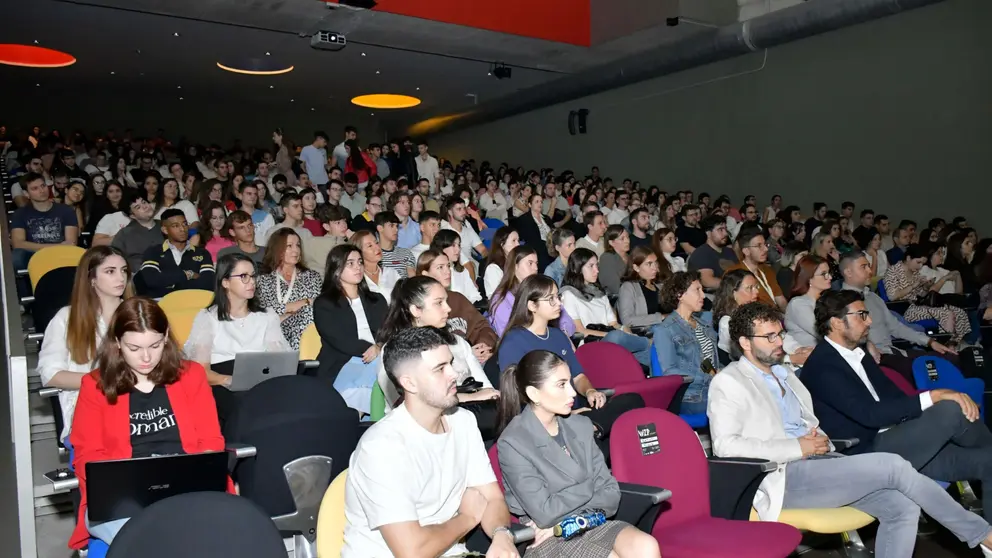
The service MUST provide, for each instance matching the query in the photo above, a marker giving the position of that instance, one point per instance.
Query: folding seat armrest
(34, 336)
(733, 483)
(640, 504)
(311, 364)
(842, 444)
(898, 306)
(521, 533)
(63, 480)
(237, 452)
(47, 392)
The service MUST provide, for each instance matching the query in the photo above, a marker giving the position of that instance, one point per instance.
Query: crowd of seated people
(393, 273)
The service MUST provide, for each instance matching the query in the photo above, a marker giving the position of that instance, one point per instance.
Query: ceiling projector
(328, 40)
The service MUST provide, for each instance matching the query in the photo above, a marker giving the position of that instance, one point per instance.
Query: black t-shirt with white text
(153, 424)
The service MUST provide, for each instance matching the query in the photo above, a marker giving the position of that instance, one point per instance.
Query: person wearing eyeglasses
(759, 409)
(813, 278)
(938, 431)
(235, 322)
(754, 258)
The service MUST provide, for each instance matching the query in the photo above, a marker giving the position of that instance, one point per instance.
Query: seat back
(181, 322)
(493, 224)
(53, 291)
(900, 382)
(487, 236)
(310, 343)
(679, 464)
(187, 299)
(608, 364)
(50, 258)
(308, 478)
(287, 418)
(934, 372)
(331, 520)
(377, 407)
(655, 362)
(494, 461)
(881, 290)
(199, 525)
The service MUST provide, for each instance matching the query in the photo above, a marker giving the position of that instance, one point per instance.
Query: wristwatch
(502, 529)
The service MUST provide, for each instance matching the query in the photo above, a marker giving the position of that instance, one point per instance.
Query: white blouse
(54, 357)
(388, 277)
(461, 282)
(677, 263)
(364, 330)
(211, 340)
(186, 206)
(465, 365)
(595, 311)
(491, 279)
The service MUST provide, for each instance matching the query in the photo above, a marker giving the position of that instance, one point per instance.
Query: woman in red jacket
(143, 400)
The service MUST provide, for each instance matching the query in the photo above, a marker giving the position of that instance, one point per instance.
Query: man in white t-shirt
(427, 166)
(420, 480)
(455, 211)
(314, 158)
(339, 155)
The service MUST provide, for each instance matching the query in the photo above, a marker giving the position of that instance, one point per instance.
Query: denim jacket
(679, 353)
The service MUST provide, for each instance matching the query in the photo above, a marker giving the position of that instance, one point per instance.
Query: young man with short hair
(689, 235)
(454, 207)
(595, 229)
(334, 221)
(393, 257)
(243, 230)
(141, 233)
(640, 228)
(816, 221)
(351, 199)
(424, 189)
(41, 223)
(427, 165)
(882, 226)
(261, 218)
(430, 223)
(175, 265)
(867, 222)
(447, 488)
(847, 210)
(714, 256)
(314, 159)
(752, 245)
(554, 205)
(292, 209)
(409, 230)
(339, 155)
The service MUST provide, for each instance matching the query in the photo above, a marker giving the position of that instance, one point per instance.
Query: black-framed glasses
(863, 314)
(771, 337)
(245, 277)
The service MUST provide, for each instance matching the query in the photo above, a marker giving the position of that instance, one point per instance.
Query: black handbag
(486, 413)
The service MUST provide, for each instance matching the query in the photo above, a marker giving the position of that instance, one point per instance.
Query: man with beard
(759, 409)
(938, 431)
(447, 488)
(714, 256)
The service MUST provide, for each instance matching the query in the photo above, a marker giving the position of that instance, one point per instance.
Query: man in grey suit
(420, 480)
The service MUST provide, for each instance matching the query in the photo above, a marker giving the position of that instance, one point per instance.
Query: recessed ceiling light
(312, 109)
(418, 89)
(111, 73)
(372, 113)
(37, 85)
(137, 51)
(176, 34)
(489, 73)
(34, 57)
(377, 72)
(179, 87)
(272, 87)
(255, 67)
(180, 98)
(36, 41)
(268, 53)
(142, 74)
(385, 101)
(292, 100)
(363, 54)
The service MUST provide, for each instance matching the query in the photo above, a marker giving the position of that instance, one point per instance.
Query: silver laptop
(251, 369)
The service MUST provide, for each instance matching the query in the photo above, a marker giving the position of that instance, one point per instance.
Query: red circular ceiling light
(31, 56)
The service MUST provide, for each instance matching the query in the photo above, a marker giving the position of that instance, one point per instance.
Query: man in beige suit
(759, 409)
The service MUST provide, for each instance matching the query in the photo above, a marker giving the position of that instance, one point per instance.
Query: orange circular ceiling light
(30, 56)
(385, 101)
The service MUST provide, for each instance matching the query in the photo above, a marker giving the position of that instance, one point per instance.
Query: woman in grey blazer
(639, 304)
(552, 468)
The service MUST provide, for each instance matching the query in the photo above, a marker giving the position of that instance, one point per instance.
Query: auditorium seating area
(289, 438)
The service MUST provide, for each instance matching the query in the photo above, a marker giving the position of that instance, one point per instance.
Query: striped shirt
(705, 344)
(398, 259)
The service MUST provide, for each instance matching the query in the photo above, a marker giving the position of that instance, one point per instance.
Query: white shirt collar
(848, 354)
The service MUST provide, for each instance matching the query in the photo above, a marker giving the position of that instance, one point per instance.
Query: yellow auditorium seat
(181, 323)
(190, 299)
(310, 343)
(829, 521)
(52, 257)
(330, 519)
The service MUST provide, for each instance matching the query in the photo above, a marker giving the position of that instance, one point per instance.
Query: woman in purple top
(520, 264)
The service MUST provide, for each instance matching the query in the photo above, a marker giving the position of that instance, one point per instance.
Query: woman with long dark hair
(737, 288)
(639, 303)
(520, 264)
(74, 334)
(613, 262)
(504, 241)
(348, 316)
(533, 326)
(359, 163)
(535, 489)
(142, 400)
(664, 245)
(235, 322)
(449, 243)
(585, 300)
(213, 237)
(422, 302)
(561, 244)
(960, 258)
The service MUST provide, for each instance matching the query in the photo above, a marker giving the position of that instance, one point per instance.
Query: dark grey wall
(895, 114)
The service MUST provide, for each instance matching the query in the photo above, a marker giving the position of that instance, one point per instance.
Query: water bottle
(579, 523)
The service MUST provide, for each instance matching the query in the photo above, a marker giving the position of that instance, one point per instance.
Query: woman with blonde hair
(68, 351)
